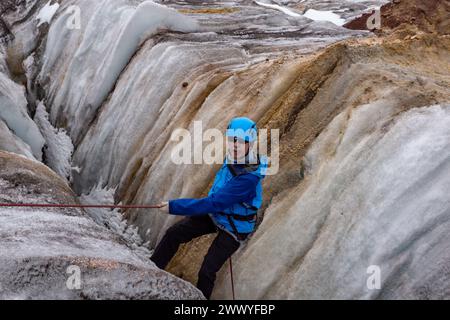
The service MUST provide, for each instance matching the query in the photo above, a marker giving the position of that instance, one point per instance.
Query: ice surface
(10, 142)
(107, 148)
(330, 16)
(59, 147)
(39, 246)
(113, 220)
(47, 12)
(14, 113)
(376, 194)
(3, 66)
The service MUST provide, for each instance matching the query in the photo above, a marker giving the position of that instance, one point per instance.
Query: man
(230, 208)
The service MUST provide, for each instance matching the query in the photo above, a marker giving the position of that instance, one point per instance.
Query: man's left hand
(164, 206)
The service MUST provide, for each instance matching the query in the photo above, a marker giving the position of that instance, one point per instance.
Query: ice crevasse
(364, 145)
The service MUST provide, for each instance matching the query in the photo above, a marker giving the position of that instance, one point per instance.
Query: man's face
(237, 148)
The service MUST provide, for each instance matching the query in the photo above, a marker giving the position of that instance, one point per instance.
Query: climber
(229, 209)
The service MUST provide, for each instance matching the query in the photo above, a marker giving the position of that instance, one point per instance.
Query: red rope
(232, 280)
(32, 205)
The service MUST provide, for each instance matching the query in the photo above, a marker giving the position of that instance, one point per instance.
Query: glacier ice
(46, 14)
(107, 149)
(123, 28)
(14, 113)
(10, 142)
(113, 219)
(251, 61)
(58, 145)
(376, 193)
(38, 246)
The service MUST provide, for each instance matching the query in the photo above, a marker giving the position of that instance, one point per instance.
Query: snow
(312, 14)
(47, 12)
(14, 113)
(59, 147)
(279, 8)
(330, 16)
(113, 220)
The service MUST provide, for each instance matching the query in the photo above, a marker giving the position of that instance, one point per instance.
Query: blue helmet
(243, 128)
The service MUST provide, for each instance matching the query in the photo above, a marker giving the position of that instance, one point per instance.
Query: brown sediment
(426, 15)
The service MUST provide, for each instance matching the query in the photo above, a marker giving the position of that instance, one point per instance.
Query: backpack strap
(244, 169)
(237, 171)
(248, 218)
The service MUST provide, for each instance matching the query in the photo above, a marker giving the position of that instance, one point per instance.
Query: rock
(427, 15)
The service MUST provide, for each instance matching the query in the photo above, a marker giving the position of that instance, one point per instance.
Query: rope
(42, 205)
(232, 280)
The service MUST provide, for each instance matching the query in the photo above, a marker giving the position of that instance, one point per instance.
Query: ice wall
(41, 248)
(95, 55)
(14, 115)
(375, 195)
(10, 142)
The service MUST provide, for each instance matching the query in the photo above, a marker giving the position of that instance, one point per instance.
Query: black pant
(223, 247)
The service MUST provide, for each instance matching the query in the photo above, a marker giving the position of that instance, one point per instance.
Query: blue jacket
(226, 197)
